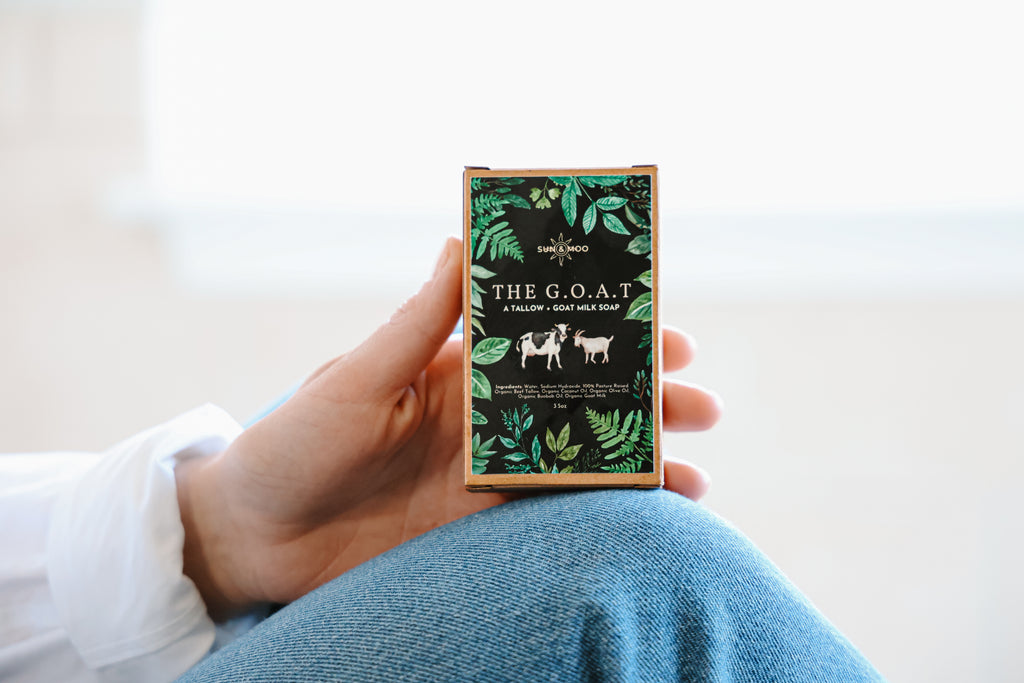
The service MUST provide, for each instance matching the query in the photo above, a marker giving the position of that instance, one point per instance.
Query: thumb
(393, 356)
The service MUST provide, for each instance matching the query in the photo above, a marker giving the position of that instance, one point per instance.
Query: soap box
(562, 344)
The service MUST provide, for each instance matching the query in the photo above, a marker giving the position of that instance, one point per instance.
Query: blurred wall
(871, 447)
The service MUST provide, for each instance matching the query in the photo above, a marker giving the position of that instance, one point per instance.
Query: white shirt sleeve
(91, 581)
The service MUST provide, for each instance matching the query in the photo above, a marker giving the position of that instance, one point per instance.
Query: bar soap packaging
(562, 344)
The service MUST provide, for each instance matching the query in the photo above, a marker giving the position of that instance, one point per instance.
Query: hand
(366, 455)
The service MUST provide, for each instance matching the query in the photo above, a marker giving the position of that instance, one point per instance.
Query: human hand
(366, 455)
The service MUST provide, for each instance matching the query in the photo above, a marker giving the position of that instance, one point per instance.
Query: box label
(560, 325)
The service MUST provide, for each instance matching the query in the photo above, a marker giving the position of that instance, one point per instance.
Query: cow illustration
(548, 343)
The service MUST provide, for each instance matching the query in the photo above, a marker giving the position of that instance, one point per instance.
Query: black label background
(607, 264)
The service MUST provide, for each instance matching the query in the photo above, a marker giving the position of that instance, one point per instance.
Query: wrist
(211, 545)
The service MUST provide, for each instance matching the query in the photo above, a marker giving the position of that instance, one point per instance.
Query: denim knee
(584, 586)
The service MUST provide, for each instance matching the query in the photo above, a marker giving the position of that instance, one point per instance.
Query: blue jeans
(583, 586)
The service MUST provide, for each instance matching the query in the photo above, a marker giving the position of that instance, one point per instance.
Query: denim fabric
(584, 586)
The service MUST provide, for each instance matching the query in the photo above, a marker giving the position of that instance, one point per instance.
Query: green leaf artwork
(589, 218)
(640, 245)
(612, 222)
(563, 438)
(481, 272)
(570, 452)
(490, 350)
(635, 219)
(610, 203)
(641, 308)
(631, 437)
(481, 453)
(607, 180)
(481, 387)
(569, 203)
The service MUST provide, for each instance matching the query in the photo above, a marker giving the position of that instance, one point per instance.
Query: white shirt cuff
(115, 554)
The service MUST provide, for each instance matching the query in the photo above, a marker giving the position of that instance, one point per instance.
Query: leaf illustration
(626, 437)
(636, 219)
(507, 442)
(554, 192)
(482, 450)
(518, 202)
(481, 272)
(562, 180)
(607, 180)
(487, 204)
(563, 438)
(478, 418)
(631, 466)
(501, 240)
(589, 218)
(569, 205)
(641, 308)
(535, 449)
(640, 245)
(490, 350)
(528, 422)
(481, 387)
(549, 439)
(516, 457)
(570, 453)
(610, 203)
(535, 194)
(612, 222)
(644, 278)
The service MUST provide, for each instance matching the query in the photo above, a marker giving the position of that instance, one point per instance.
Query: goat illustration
(592, 346)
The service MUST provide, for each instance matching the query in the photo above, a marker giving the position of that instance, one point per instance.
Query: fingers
(678, 348)
(686, 479)
(688, 408)
(394, 355)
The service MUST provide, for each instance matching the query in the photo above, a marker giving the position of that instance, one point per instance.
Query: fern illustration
(490, 200)
(493, 203)
(623, 438)
(627, 466)
(499, 237)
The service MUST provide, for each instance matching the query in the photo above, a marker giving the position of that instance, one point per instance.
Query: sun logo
(561, 249)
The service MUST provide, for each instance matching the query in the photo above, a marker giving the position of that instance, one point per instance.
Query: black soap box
(562, 344)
